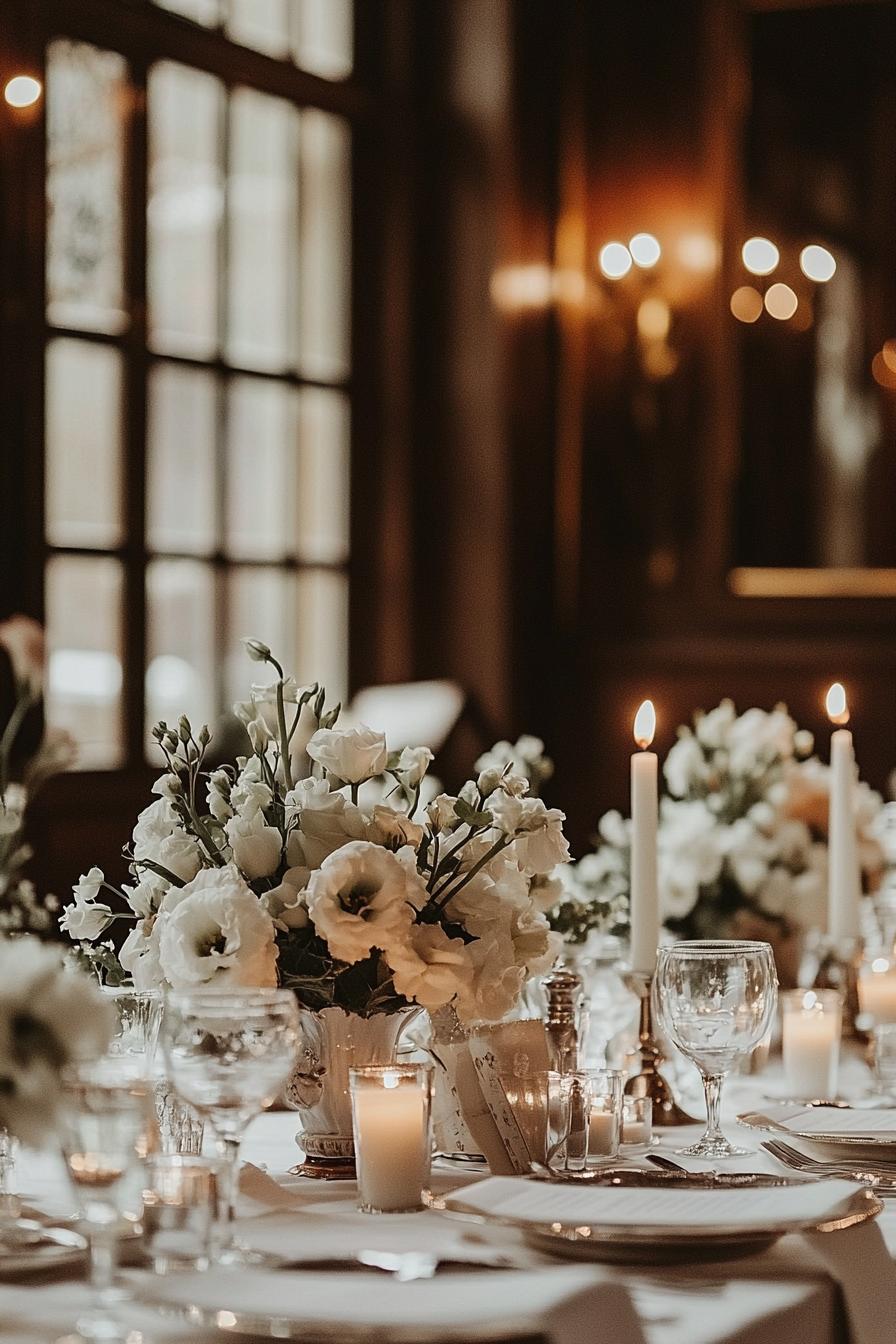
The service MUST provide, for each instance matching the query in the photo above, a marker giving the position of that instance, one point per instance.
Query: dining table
(494, 1286)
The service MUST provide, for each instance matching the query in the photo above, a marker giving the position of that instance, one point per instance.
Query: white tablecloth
(783, 1295)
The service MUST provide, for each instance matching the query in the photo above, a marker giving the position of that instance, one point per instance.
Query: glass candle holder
(605, 1116)
(569, 1110)
(392, 1122)
(637, 1122)
(885, 1059)
(180, 1199)
(810, 1042)
(877, 990)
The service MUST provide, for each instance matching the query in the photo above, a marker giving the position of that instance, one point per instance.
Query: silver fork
(883, 1181)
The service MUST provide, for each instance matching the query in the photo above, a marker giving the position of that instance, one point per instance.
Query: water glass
(180, 1201)
(569, 1112)
(106, 1131)
(229, 1054)
(181, 1130)
(637, 1122)
(139, 1013)
(885, 1059)
(716, 1001)
(392, 1123)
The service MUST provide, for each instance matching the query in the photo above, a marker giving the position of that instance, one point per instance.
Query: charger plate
(657, 1243)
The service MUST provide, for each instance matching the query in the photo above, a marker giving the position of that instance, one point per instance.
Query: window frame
(145, 34)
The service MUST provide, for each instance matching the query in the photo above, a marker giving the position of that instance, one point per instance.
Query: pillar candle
(392, 1141)
(811, 1047)
(645, 914)
(877, 991)
(844, 880)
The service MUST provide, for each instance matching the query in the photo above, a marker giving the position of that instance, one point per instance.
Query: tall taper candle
(645, 911)
(844, 879)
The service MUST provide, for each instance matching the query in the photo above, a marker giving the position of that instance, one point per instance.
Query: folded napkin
(562, 1304)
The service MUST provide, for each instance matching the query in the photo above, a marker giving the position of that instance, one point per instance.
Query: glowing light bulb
(817, 263)
(645, 250)
(22, 91)
(760, 256)
(615, 260)
(781, 302)
(746, 304)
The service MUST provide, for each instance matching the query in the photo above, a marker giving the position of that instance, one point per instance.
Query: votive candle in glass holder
(810, 1039)
(885, 1059)
(637, 1122)
(392, 1122)
(877, 990)
(605, 1117)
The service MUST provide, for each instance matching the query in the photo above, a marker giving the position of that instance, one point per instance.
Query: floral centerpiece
(273, 873)
(21, 909)
(742, 837)
(51, 1015)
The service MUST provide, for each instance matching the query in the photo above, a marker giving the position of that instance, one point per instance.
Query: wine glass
(107, 1129)
(716, 1001)
(229, 1055)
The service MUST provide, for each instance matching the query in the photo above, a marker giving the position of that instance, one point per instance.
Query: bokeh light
(615, 260)
(746, 304)
(817, 263)
(698, 252)
(760, 256)
(781, 302)
(654, 319)
(22, 91)
(645, 250)
(888, 353)
(883, 375)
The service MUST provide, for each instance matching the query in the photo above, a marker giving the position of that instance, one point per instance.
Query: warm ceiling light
(760, 256)
(781, 302)
(882, 373)
(615, 260)
(645, 250)
(698, 252)
(22, 91)
(817, 263)
(746, 304)
(888, 353)
(654, 319)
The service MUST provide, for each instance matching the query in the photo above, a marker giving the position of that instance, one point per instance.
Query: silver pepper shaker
(564, 992)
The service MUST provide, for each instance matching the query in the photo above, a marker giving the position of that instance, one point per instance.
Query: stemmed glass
(107, 1128)
(716, 1001)
(229, 1055)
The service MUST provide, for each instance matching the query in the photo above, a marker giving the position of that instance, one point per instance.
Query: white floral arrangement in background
(742, 832)
(21, 909)
(273, 872)
(51, 1015)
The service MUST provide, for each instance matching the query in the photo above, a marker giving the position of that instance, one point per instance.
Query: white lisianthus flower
(689, 855)
(89, 885)
(286, 903)
(747, 853)
(429, 967)
(685, 766)
(326, 819)
(350, 755)
(139, 954)
(713, 728)
(256, 847)
(497, 981)
(440, 812)
(506, 812)
(546, 889)
(392, 829)
(218, 795)
(540, 844)
(217, 931)
(167, 786)
(489, 899)
(413, 764)
(143, 899)
(87, 918)
(535, 947)
(159, 838)
(363, 897)
(50, 1016)
(250, 794)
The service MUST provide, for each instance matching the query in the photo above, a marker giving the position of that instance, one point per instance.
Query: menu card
(858, 1124)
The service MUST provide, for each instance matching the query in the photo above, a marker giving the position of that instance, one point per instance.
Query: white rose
(350, 756)
(326, 819)
(393, 829)
(286, 903)
(218, 931)
(363, 897)
(413, 764)
(256, 847)
(429, 967)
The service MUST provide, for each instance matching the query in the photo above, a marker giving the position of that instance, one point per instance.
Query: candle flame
(835, 703)
(810, 1001)
(390, 1080)
(645, 724)
(880, 965)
